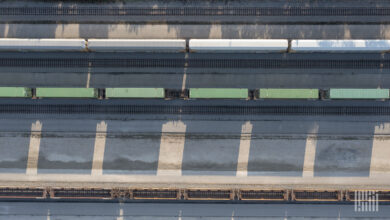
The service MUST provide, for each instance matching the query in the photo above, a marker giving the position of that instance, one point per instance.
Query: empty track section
(202, 107)
(197, 11)
(216, 61)
(196, 14)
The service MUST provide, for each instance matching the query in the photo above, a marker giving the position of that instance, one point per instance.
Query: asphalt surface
(191, 211)
(102, 70)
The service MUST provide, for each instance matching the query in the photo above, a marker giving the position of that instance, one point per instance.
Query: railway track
(195, 11)
(203, 14)
(200, 63)
(198, 107)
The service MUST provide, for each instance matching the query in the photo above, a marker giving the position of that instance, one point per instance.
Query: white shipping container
(340, 45)
(127, 45)
(15, 44)
(238, 46)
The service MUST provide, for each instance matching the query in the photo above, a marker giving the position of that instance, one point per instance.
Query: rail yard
(196, 110)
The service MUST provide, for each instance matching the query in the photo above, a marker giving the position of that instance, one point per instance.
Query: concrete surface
(198, 31)
(177, 211)
(277, 149)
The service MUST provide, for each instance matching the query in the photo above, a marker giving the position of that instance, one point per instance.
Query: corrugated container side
(12, 44)
(16, 92)
(80, 193)
(66, 92)
(238, 45)
(219, 93)
(12, 192)
(260, 194)
(359, 93)
(135, 93)
(156, 194)
(340, 45)
(289, 93)
(133, 45)
(313, 195)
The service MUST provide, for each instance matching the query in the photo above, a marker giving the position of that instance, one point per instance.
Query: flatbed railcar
(66, 93)
(197, 93)
(196, 45)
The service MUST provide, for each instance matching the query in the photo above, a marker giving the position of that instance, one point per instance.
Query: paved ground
(189, 211)
(324, 151)
(213, 31)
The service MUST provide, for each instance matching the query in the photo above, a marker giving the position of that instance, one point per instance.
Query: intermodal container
(340, 45)
(136, 45)
(209, 93)
(135, 93)
(66, 93)
(15, 44)
(237, 45)
(359, 94)
(289, 94)
(15, 92)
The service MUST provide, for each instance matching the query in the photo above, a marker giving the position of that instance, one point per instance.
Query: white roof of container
(11, 44)
(127, 45)
(340, 45)
(236, 45)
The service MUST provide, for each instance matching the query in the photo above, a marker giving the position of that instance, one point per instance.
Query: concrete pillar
(33, 149)
(171, 148)
(310, 152)
(243, 154)
(100, 145)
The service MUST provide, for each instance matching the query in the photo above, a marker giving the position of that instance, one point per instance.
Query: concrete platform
(345, 152)
(189, 211)
(198, 31)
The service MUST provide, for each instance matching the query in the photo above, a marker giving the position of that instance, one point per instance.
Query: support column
(243, 154)
(380, 162)
(100, 145)
(310, 153)
(171, 148)
(33, 149)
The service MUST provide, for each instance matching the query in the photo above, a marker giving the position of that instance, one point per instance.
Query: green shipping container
(135, 93)
(219, 93)
(15, 92)
(359, 94)
(289, 94)
(67, 93)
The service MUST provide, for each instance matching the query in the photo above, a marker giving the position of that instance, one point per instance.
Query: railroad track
(195, 11)
(196, 15)
(198, 107)
(200, 63)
